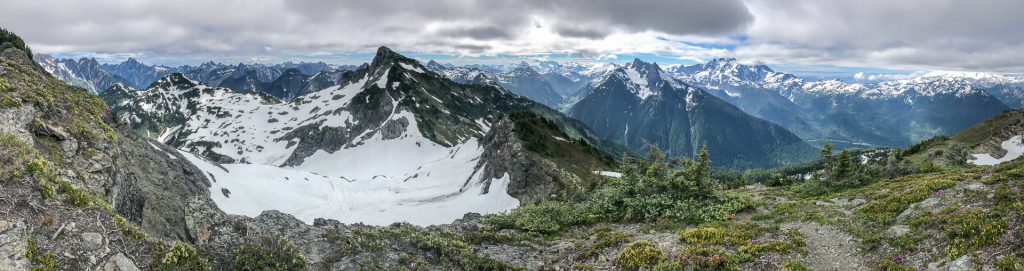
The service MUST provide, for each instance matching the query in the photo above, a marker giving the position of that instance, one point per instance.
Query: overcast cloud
(925, 34)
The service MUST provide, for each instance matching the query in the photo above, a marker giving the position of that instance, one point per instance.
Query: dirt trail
(828, 248)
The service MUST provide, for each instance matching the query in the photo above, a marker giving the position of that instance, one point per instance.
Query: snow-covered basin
(1013, 146)
(378, 182)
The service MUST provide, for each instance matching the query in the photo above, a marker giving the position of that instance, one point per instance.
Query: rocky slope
(82, 191)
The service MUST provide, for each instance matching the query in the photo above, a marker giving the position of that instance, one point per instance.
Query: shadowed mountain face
(641, 105)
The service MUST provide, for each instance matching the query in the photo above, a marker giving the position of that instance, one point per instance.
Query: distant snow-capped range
(88, 73)
(539, 80)
(798, 103)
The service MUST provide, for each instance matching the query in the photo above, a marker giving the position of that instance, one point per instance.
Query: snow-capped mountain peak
(643, 79)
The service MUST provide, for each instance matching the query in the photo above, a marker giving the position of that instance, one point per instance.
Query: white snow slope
(374, 181)
(1014, 149)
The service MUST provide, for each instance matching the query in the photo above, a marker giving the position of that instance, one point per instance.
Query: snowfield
(1014, 149)
(374, 181)
(365, 185)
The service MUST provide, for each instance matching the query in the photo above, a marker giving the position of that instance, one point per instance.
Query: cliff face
(80, 187)
(541, 161)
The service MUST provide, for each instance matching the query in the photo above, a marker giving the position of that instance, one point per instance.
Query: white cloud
(913, 34)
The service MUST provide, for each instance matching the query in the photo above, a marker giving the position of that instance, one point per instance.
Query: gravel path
(828, 248)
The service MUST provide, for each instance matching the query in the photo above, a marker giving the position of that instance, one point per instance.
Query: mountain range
(285, 80)
(640, 105)
(888, 113)
(391, 132)
(393, 165)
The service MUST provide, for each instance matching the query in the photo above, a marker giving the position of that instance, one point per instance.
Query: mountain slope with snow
(86, 73)
(888, 113)
(391, 131)
(639, 104)
(525, 81)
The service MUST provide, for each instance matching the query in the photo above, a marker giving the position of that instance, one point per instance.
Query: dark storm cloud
(945, 34)
(679, 17)
(477, 32)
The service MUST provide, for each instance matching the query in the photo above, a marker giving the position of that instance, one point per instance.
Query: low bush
(708, 258)
(703, 236)
(649, 190)
(179, 257)
(641, 254)
(970, 229)
(270, 253)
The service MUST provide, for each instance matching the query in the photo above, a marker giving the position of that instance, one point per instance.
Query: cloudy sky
(977, 35)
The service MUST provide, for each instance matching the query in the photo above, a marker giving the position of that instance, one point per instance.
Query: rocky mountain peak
(643, 67)
(132, 61)
(177, 80)
(524, 69)
(434, 66)
(385, 56)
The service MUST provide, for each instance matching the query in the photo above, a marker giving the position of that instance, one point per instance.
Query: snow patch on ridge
(1014, 149)
(642, 91)
(411, 67)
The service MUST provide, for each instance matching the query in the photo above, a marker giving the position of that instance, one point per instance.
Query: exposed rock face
(119, 262)
(12, 245)
(158, 181)
(89, 161)
(535, 173)
(530, 180)
(15, 121)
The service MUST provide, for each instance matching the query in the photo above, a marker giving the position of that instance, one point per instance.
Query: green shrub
(13, 155)
(47, 191)
(708, 258)
(180, 257)
(270, 253)
(128, 229)
(5, 86)
(7, 101)
(794, 265)
(546, 217)
(40, 167)
(703, 236)
(605, 238)
(44, 262)
(639, 254)
(1010, 263)
(969, 230)
(649, 190)
(10, 40)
